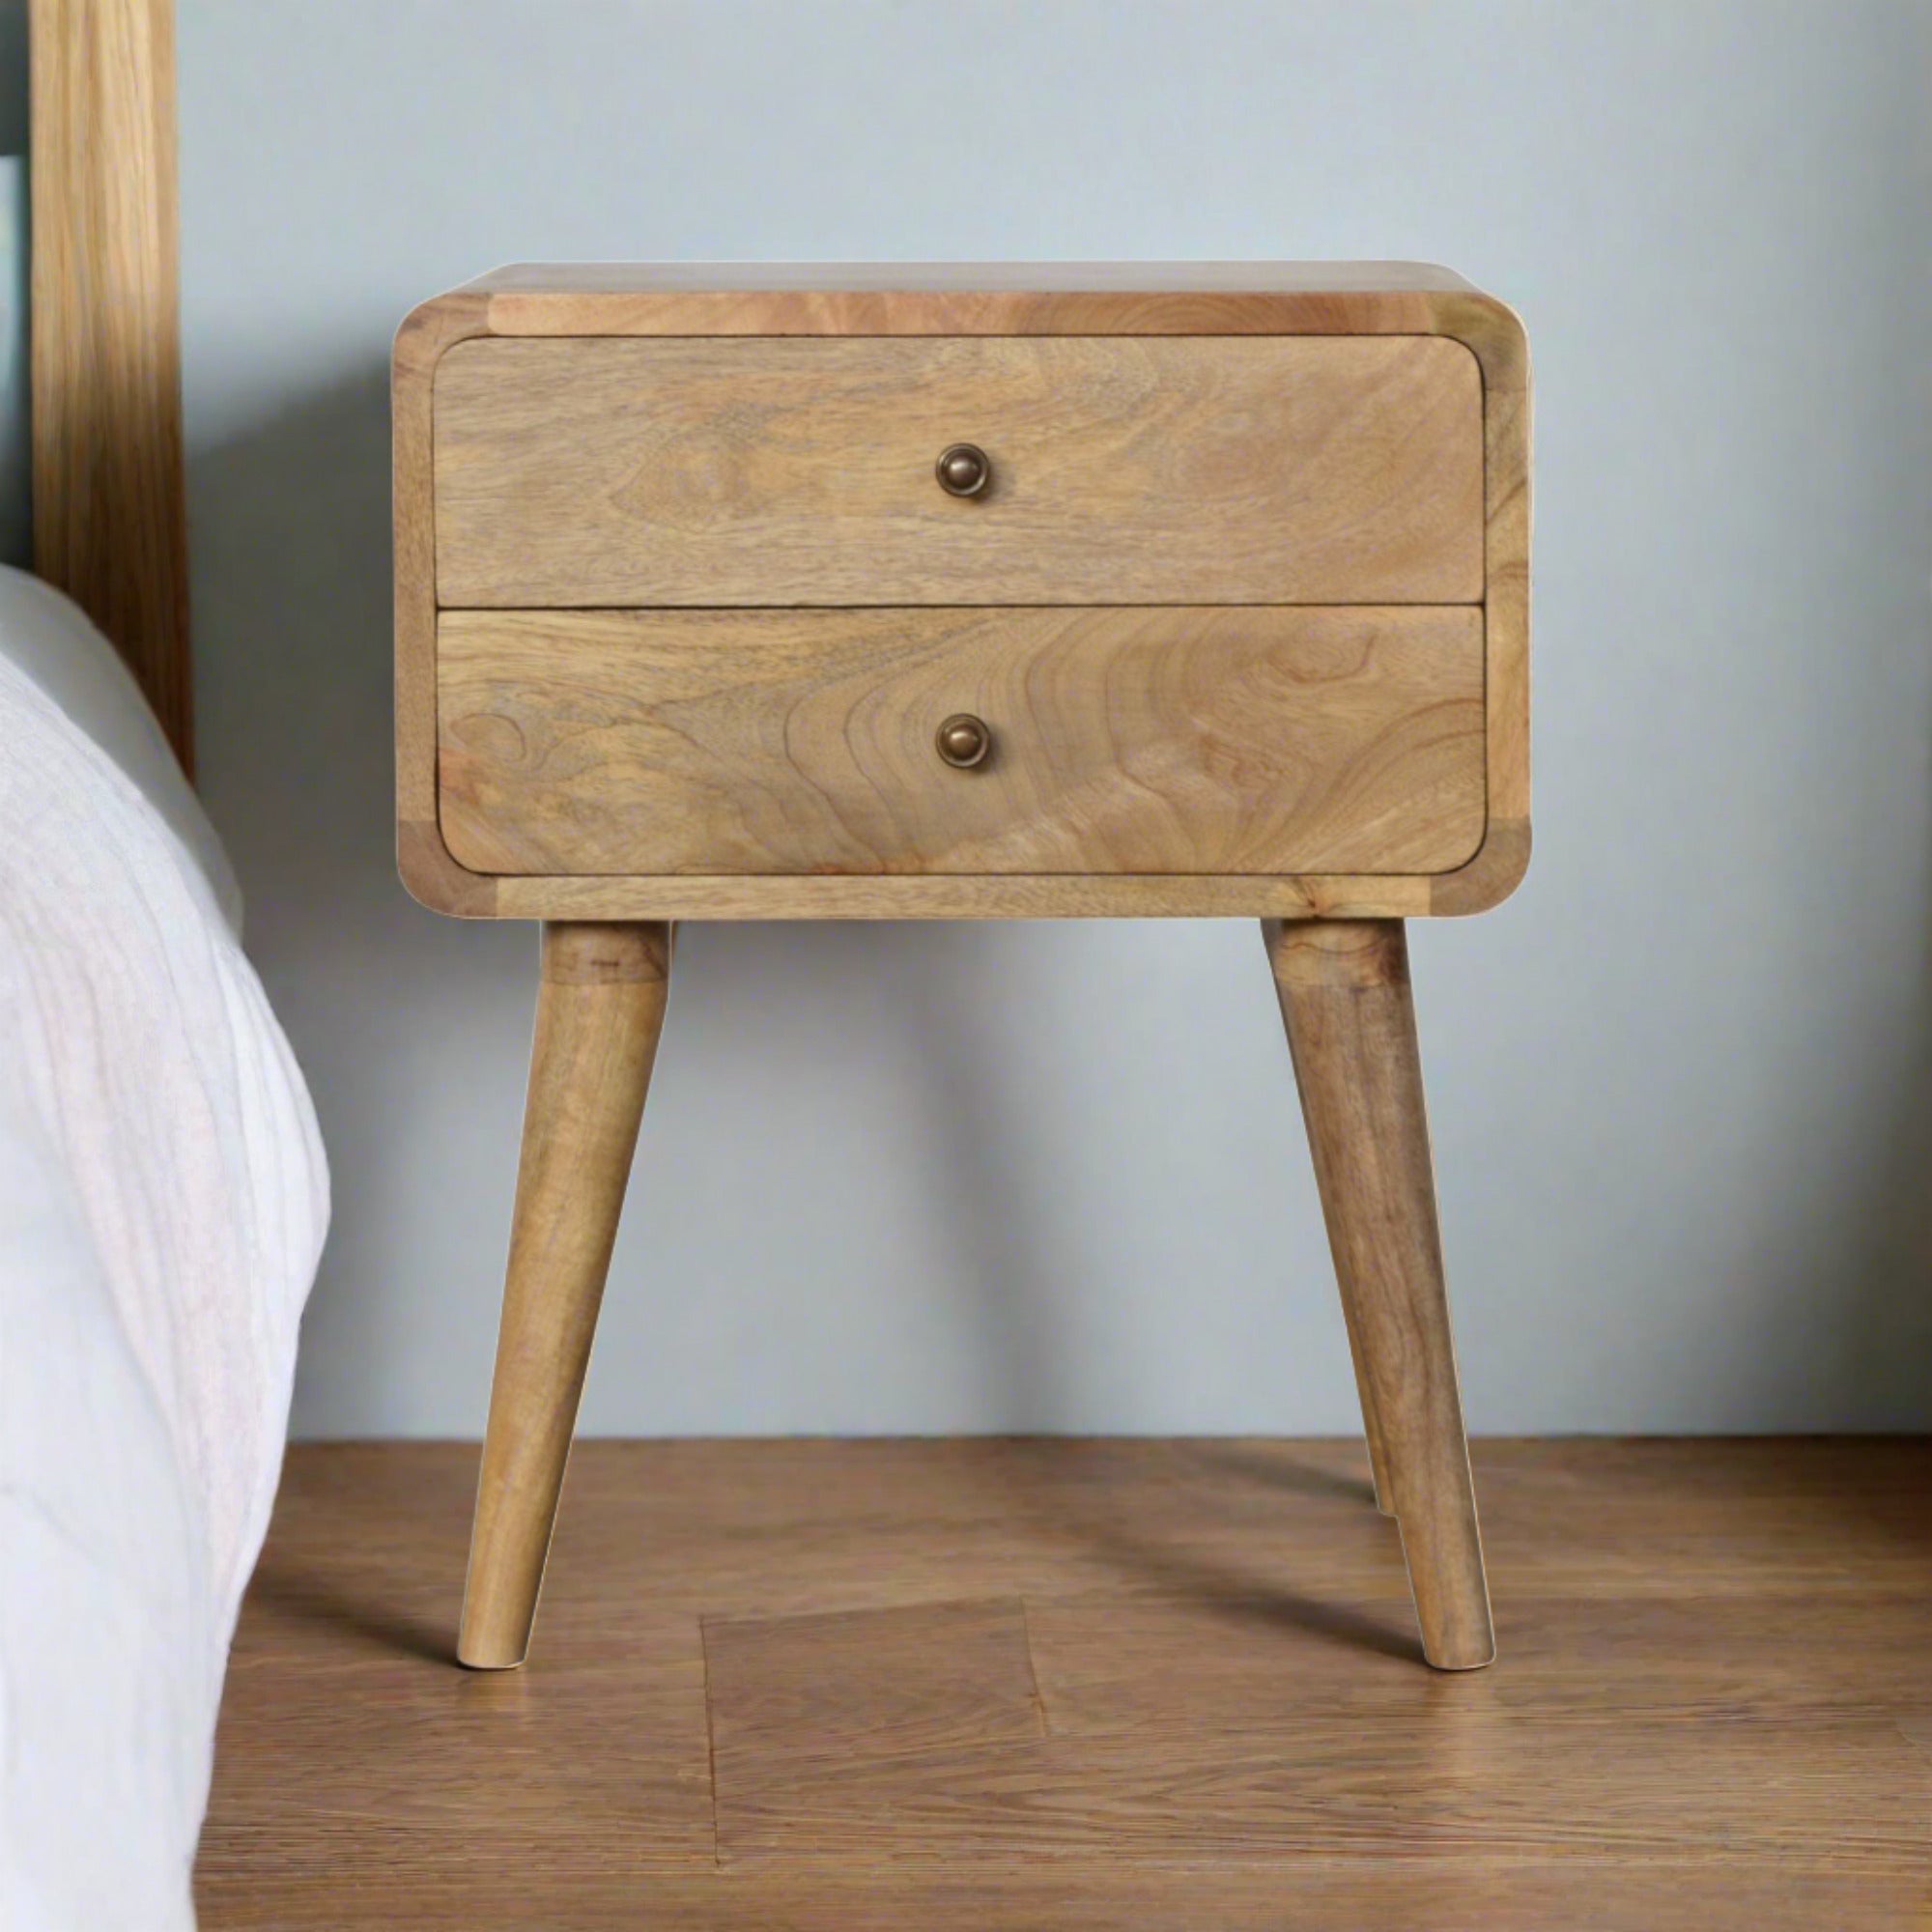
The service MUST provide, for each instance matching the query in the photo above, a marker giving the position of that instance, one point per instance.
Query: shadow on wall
(292, 615)
(1881, 1370)
(292, 619)
(290, 549)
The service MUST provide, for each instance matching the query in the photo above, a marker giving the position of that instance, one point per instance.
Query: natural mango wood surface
(601, 998)
(1002, 1686)
(1137, 741)
(1129, 613)
(778, 471)
(1199, 322)
(1254, 298)
(1350, 1018)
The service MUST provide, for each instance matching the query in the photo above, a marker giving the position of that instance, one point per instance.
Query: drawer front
(605, 471)
(1180, 741)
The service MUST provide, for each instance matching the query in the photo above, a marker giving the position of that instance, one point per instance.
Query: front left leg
(599, 1010)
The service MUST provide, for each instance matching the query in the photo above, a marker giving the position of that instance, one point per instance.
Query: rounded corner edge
(1494, 871)
(434, 327)
(433, 877)
(1491, 330)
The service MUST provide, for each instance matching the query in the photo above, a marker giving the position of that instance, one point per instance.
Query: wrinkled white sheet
(163, 1198)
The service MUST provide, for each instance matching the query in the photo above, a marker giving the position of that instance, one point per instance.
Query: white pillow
(55, 643)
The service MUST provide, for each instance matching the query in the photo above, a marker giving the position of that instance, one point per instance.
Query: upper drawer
(601, 470)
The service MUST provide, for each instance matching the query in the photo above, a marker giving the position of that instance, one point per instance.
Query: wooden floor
(1078, 1685)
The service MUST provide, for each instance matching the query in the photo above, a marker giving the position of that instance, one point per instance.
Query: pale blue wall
(1052, 1175)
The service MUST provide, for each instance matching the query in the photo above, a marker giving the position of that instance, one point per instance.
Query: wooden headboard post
(110, 525)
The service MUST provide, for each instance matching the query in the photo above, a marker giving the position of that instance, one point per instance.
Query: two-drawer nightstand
(966, 592)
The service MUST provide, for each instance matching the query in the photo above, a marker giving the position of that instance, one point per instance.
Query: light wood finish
(109, 523)
(1218, 741)
(772, 470)
(929, 896)
(599, 1013)
(682, 606)
(427, 869)
(789, 1695)
(1194, 300)
(989, 298)
(792, 1684)
(1371, 1423)
(1346, 1001)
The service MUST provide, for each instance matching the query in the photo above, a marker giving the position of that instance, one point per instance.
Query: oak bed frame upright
(109, 512)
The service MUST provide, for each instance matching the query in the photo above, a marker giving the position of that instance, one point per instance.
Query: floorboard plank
(1079, 1685)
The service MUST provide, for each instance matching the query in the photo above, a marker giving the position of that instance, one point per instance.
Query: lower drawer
(1218, 740)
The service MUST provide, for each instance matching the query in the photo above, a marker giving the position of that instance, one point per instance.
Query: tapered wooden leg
(600, 1008)
(1371, 1424)
(1344, 997)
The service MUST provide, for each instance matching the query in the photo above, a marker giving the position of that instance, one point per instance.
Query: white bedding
(162, 1202)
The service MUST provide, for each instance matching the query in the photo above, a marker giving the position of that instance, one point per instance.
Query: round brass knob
(963, 469)
(964, 741)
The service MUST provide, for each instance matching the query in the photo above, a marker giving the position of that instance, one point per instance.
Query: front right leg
(1345, 995)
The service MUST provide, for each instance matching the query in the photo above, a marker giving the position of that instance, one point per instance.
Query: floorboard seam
(1033, 1670)
(711, 1747)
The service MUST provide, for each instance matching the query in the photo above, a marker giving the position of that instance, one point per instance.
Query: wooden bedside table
(834, 593)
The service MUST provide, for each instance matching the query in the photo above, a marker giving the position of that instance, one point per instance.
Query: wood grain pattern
(1346, 1001)
(599, 1010)
(791, 1697)
(1531, 1893)
(1126, 741)
(959, 896)
(109, 515)
(719, 299)
(1497, 870)
(426, 868)
(565, 281)
(1698, 1723)
(1142, 299)
(1277, 470)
